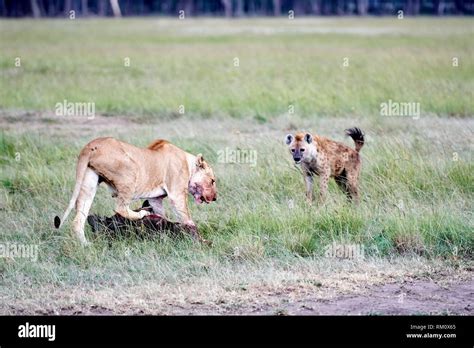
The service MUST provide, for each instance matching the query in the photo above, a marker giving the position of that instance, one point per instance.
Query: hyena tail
(357, 135)
(82, 164)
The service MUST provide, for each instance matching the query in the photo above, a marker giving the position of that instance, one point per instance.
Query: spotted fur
(326, 158)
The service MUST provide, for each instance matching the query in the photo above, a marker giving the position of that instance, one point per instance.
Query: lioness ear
(199, 160)
(288, 139)
(308, 138)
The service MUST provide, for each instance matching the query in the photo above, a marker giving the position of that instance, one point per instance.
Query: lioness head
(301, 146)
(202, 184)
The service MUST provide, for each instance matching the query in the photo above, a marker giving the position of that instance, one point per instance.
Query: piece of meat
(150, 225)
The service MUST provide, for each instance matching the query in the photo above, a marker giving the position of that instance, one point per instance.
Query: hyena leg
(308, 180)
(157, 205)
(323, 185)
(341, 181)
(354, 193)
(83, 204)
(352, 187)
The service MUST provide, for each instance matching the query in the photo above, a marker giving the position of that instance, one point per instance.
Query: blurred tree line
(230, 8)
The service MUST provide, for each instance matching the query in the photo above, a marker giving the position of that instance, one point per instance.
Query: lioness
(328, 158)
(158, 171)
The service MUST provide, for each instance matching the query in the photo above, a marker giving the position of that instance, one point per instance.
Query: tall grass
(412, 205)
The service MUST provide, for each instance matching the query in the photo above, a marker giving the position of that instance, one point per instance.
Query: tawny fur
(159, 171)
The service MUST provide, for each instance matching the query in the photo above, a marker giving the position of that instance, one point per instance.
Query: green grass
(190, 63)
(417, 181)
(425, 206)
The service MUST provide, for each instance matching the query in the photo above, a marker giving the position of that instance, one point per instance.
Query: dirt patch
(420, 297)
(49, 123)
(410, 298)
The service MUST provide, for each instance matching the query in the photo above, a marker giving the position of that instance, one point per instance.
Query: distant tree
(102, 7)
(67, 7)
(277, 7)
(189, 7)
(362, 7)
(239, 8)
(466, 7)
(413, 7)
(315, 7)
(35, 8)
(85, 11)
(437, 8)
(339, 7)
(115, 8)
(326, 7)
(227, 7)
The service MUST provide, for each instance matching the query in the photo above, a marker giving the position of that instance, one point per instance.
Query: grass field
(417, 183)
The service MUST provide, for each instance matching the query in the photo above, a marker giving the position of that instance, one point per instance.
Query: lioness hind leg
(83, 204)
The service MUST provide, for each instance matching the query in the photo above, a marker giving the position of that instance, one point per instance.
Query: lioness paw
(144, 213)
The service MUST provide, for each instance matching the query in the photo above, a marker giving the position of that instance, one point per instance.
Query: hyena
(328, 158)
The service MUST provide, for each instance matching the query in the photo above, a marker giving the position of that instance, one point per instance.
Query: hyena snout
(297, 155)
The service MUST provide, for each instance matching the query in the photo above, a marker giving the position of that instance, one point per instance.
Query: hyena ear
(288, 139)
(199, 161)
(308, 138)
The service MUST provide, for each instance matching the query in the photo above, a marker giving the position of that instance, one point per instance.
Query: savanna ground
(415, 220)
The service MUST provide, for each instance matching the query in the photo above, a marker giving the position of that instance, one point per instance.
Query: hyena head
(301, 146)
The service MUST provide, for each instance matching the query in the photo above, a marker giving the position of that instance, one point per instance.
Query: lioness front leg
(180, 206)
(123, 208)
(127, 213)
